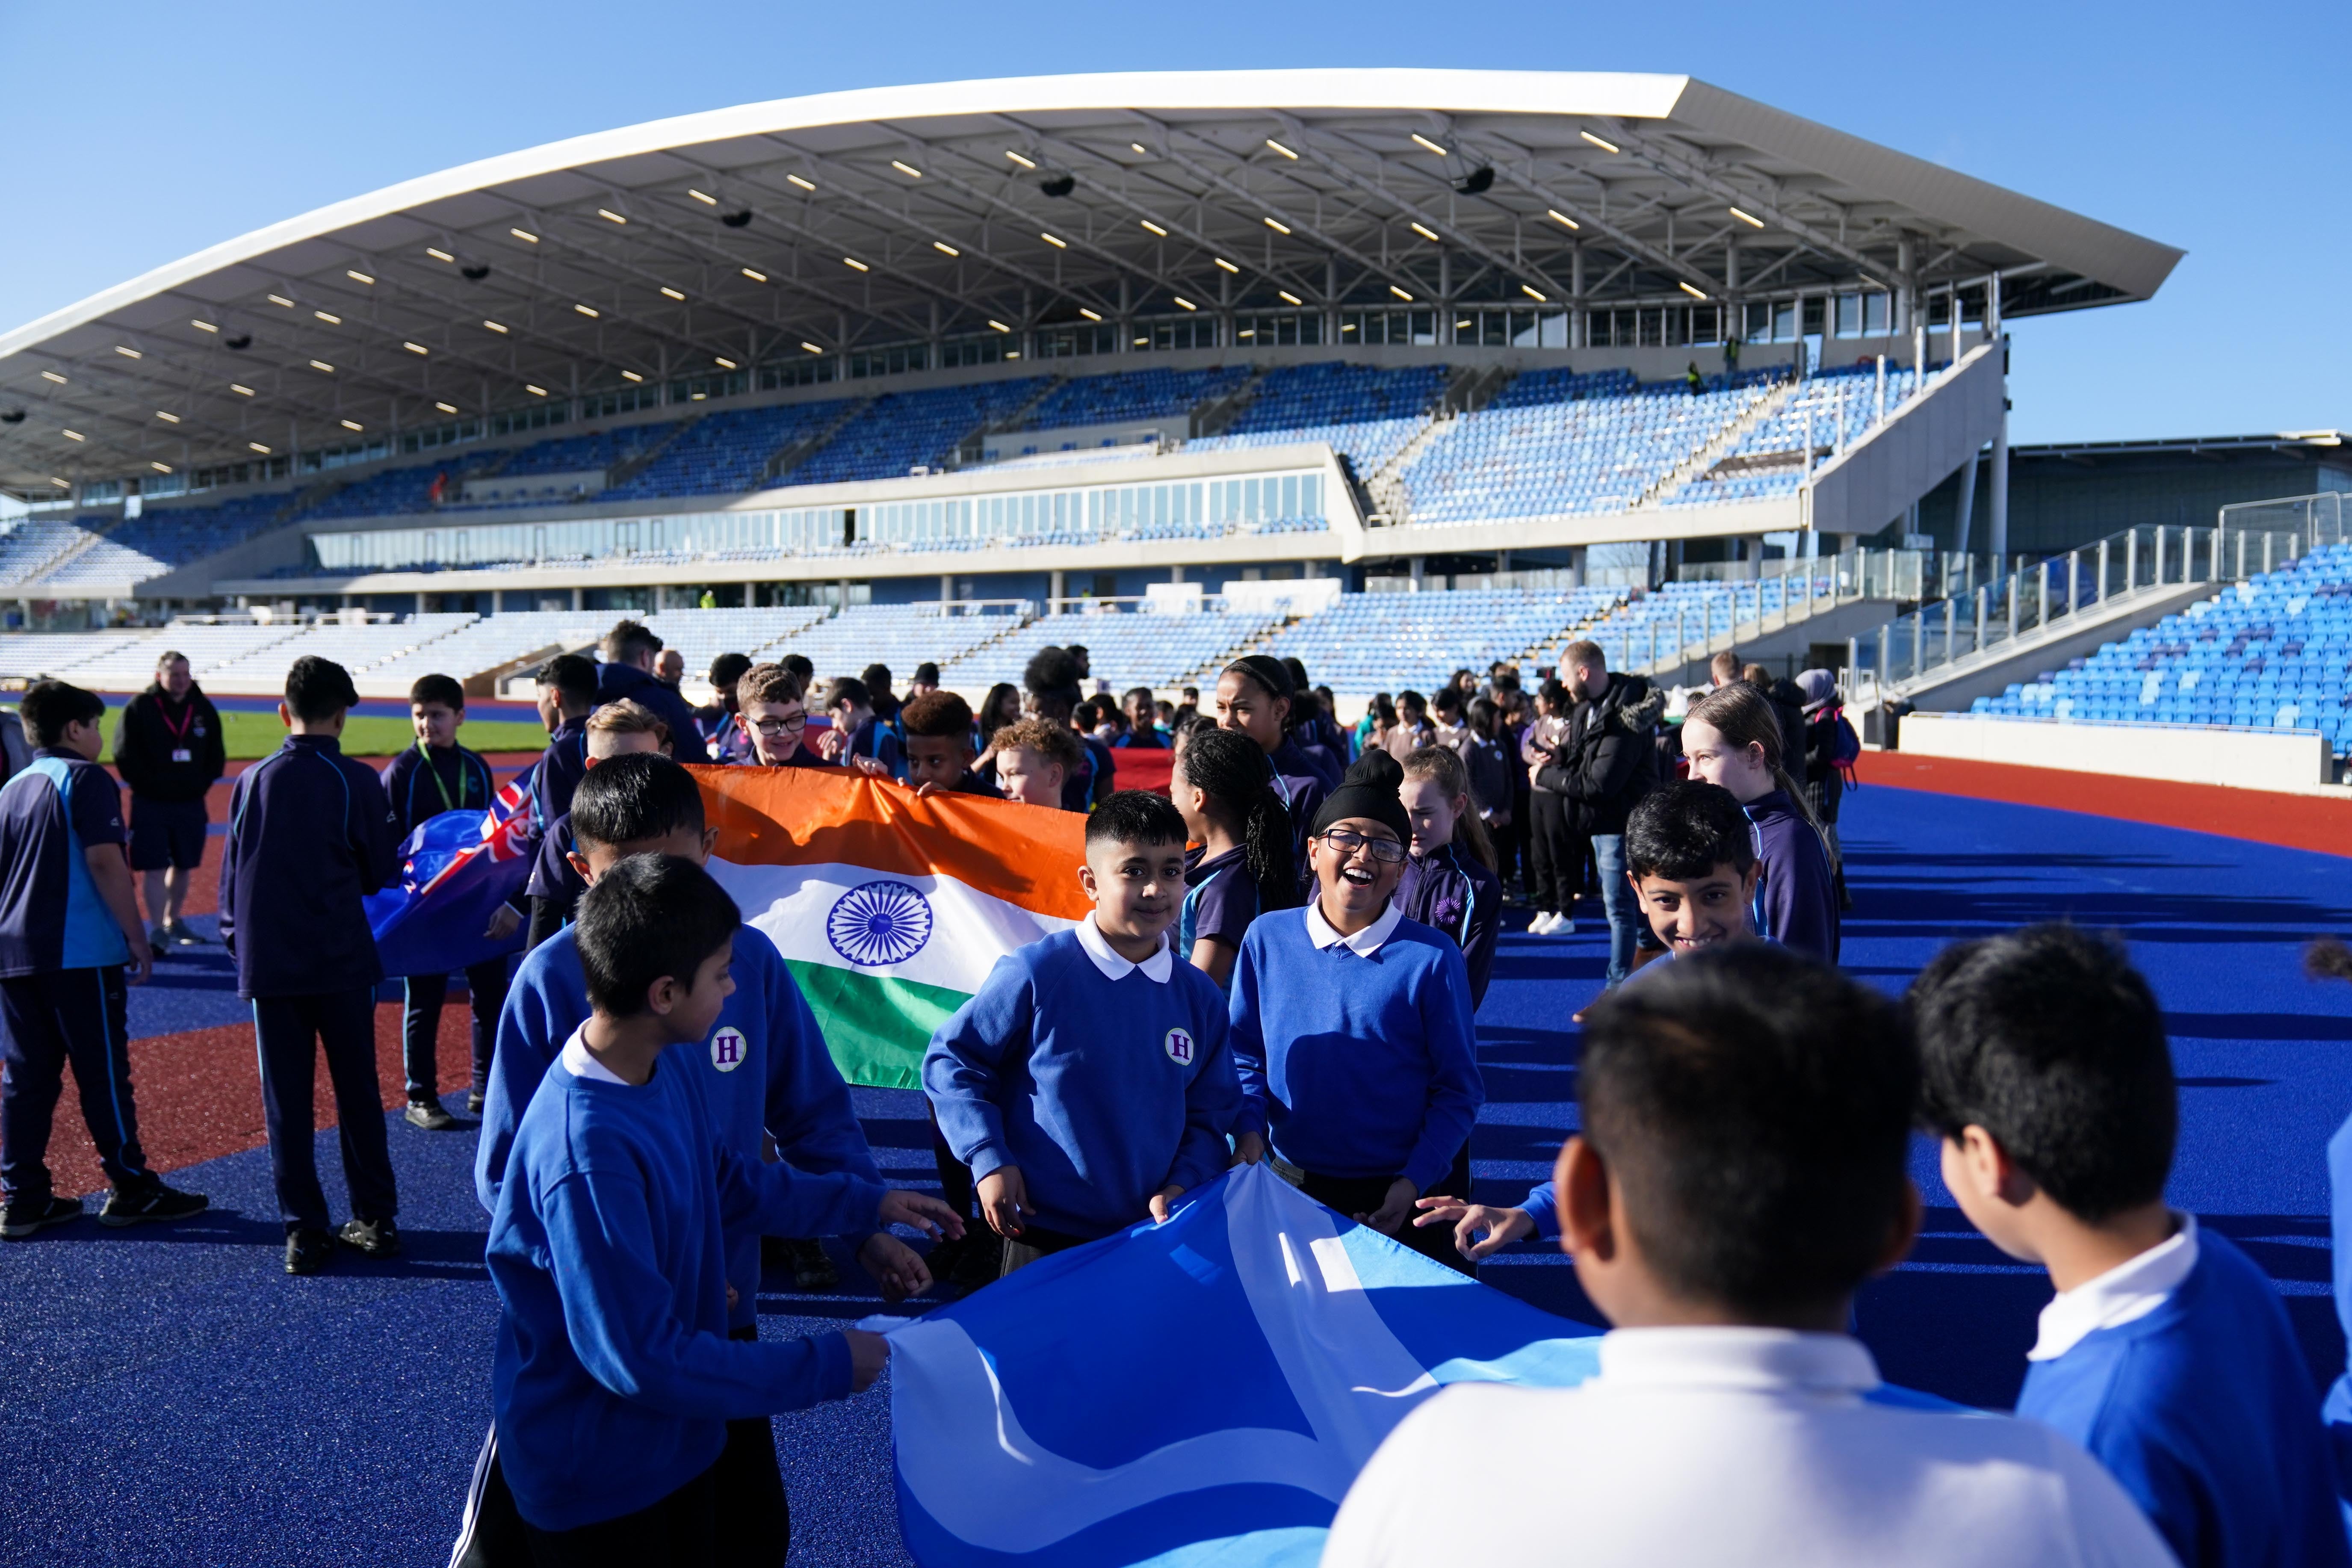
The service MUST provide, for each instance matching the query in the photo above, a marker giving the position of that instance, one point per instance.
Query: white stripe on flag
(932, 930)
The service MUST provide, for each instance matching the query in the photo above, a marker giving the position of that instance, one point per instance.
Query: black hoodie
(156, 732)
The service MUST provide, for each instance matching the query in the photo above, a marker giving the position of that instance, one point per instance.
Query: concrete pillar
(1054, 586)
(1444, 295)
(1176, 574)
(420, 602)
(1997, 512)
(1965, 515)
(947, 588)
(1579, 332)
(578, 600)
(1417, 567)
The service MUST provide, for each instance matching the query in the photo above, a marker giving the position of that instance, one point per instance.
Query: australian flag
(457, 869)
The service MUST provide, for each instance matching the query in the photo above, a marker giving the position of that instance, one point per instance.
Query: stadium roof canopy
(814, 226)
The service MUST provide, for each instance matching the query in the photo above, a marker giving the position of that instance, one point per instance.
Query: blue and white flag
(457, 869)
(1194, 1393)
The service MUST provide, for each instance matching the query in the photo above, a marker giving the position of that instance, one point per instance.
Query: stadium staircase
(971, 448)
(790, 455)
(628, 468)
(1471, 389)
(1212, 419)
(85, 539)
(1723, 443)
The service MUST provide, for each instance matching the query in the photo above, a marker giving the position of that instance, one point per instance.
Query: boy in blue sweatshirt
(1690, 853)
(767, 1078)
(567, 695)
(2166, 1351)
(554, 888)
(1351, 1027)
(1086, 1083)
(615, 1377)
(71, 942)
(435, 776)
(310, 837)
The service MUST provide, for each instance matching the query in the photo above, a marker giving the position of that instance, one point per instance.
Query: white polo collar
(2124, 1294)
(1156, 969)
(1365, 943)
(581, 1062)
(1738, 1358)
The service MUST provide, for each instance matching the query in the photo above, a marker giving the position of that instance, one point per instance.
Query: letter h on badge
(726, 1048)
(1179, 1046)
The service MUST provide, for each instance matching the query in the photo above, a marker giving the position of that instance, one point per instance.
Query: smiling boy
(1086, 1083)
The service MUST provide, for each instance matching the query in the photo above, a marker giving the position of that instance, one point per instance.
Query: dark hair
(1052, 669)
(1686, 830)
(629, 639)
(849, 690)
(2050, 1040)
(1447, 699)
(1234, 774)
(1483, 716)
(875, 675)
(726, 670)
(927, 674)
(441, 688)
(992, 716)
(938, 715)
(1553, 692)
(633, 797)
(650, 916)
(1267, 674)
(798, 663)
(1297, 669)
(1754, 1109)
(1413, 702)
(50, 706)
(574, 678)
(319, 688)
(1135, 816)
(1384, 711)
(1134, 691)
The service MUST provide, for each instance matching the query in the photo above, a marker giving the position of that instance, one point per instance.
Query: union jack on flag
(457, 868)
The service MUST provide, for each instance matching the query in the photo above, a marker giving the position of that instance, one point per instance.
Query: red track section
(2294, 821)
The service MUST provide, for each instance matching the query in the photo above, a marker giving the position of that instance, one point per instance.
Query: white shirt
(581, 1062)
(2128, 1291)
(1365, 943)
(1157, 968)
(1727, 1449)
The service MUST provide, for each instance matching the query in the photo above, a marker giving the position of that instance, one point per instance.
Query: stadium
(1395, 373)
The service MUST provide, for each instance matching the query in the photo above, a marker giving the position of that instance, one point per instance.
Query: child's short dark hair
(798, 663)
(2050, 1040)
(850, 689)
(726, 670)
(875, 675)
(627, 640)
(633, 797)
(1136, 816)
(1754, 1109)
(441, 688)
(49, 707)
(574, 678)
(939, 716)
(650, 916)
(319, 688)
(927, 674)
(1686, 830)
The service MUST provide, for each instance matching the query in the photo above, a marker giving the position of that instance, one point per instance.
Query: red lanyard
(179, 731)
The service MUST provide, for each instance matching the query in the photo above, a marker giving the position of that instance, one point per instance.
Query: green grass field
(251, 735)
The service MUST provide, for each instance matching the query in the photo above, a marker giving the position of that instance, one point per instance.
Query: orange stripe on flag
(1025, 855)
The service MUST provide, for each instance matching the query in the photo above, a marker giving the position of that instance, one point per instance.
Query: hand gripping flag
(457, 869)
(1199, 1392)
(889, 909)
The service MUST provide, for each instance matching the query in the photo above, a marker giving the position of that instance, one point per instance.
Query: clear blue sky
(141, 131)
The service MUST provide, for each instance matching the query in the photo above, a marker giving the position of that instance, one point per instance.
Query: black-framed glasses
(1347, 841)
(772, 727)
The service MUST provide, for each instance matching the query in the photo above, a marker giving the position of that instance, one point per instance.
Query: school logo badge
(1179, 1046)
(728, 1049)
(876, 923)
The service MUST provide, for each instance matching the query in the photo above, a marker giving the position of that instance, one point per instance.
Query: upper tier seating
(1130, 395)
(2274, 653)
(904, 430)
(1366, 413)
(726, 453)
(27, 548)
(577, 454)
(1850, 391)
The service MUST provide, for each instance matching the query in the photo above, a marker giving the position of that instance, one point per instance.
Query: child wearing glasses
(1351, 1029)
(770, 699)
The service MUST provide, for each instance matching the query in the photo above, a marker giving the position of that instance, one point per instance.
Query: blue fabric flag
(457, 869)
(1194, 1393)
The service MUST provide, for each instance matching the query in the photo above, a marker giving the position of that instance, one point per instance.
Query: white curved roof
(910, 214)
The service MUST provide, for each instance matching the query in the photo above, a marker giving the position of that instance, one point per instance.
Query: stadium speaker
(1478, 181)
(474, 274)
(1059, 186)
(736, 220)
(13, 417)
(240, 342)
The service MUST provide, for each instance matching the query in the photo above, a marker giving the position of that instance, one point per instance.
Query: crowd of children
(1282, 963)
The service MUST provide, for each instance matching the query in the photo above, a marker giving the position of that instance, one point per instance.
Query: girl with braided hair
(1244, 865)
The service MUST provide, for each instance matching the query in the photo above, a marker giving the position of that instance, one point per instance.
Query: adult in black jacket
(1606, 763)
(1787, 700)
(629, 650)
(168, 748)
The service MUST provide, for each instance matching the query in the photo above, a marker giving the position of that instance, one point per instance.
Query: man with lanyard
(168, 749)
(435, 776)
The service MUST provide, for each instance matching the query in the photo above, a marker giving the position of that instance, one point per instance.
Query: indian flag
(890, 910)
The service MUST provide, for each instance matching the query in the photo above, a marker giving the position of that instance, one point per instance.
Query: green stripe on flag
(876, 1025)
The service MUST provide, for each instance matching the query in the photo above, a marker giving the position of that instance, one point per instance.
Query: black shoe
(473, 1103)
(181, 935)
(811, 1269)
(23, 1216)
(157, 1203)
(309, 1251)
(376, 1237)
(982, 1262)
(428, 1115)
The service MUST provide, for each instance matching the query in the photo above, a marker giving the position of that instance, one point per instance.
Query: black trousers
(678, 1532)
(45, 1021)
(956, 1186)
(420, 1026)
(1352, 1195)
(290, 1032)
(1557, 870)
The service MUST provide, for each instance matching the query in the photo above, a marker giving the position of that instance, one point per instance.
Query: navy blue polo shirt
(310, 837)
(51, 916)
